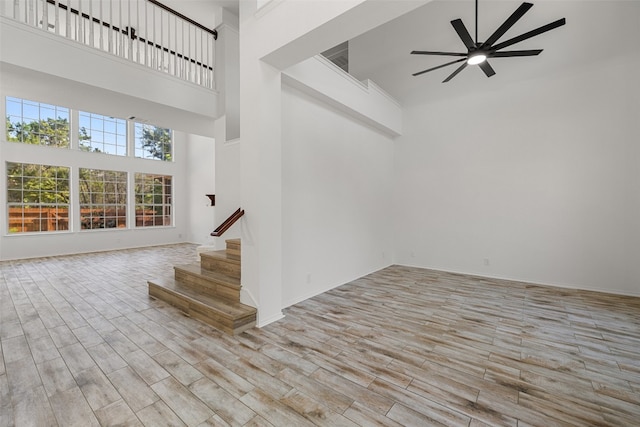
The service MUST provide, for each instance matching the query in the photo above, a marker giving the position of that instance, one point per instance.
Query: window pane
(102, 134)
(31, 122)
(153, 200)
(38, 198)
(152, 142)
(103, 199)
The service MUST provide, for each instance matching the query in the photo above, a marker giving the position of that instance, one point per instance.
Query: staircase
(209, 291)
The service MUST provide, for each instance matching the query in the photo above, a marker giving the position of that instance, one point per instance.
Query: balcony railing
(142, 31)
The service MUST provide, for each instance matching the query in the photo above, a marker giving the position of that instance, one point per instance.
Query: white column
(261, 174)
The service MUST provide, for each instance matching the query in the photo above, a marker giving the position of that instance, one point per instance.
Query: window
(36, 123)
(37, 198)
(103, 199)
(102, 134)
(152, 142)
(153, 200)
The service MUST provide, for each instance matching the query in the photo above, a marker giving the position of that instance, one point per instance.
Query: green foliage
(84, 141)
(37, 184)
(156, 141)
(50, 132)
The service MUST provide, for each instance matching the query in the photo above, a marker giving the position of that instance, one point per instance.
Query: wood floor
(83, 344)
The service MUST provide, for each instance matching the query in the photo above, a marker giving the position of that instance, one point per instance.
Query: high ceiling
(595, 31)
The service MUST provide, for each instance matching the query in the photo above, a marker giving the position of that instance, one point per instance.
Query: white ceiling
(595, 31)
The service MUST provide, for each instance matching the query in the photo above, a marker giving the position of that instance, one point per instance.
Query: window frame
(38, 203)
(76, 161)
(165, 156)
(163, 206)
(103, 206)
(39, 106)
(116, 134)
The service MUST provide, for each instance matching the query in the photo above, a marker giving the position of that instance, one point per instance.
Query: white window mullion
(131, 176)
(74, 123)
(74, 200)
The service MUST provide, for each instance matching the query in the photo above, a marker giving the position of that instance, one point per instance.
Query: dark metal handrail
(228, 223)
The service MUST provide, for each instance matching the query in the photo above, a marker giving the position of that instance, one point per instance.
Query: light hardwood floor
(83, 344)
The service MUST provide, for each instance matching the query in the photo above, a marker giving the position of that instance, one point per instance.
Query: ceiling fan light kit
(476, 58)
(478, 52)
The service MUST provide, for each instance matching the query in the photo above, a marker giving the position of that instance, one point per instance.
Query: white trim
(262, 323)
(528, 282)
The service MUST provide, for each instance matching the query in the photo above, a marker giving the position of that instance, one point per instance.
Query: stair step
(233, 248)
(228, 316)
(221, 262)
(208, 282)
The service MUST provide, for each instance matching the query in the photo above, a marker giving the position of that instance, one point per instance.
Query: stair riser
(227, 267)
(233, 244)
(233, 248)
(233, 253)
(207, 286)
(202, 312)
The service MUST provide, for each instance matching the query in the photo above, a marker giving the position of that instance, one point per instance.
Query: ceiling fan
(478, 52)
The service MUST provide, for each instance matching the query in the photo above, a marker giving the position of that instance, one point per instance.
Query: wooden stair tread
(197, 270)
(222, 255)
(233, 310)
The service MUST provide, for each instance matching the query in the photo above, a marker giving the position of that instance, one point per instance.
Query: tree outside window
(37, 197)
(30, 122)
(153, 200)
(152, 142)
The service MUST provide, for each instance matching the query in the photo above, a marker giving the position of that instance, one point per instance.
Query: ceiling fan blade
(455, 73)
(509, 53)
(515, 16)
(463, 34)
(532, 33)
(426, 52)
(488, 70)
(439, 66)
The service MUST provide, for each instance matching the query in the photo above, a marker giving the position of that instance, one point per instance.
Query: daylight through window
(153, 142)
(103, 199)
(153, 200)
(37, 197)
(102, 134)
(36, 123)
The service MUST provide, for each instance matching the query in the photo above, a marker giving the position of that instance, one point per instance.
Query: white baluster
(56, 13)
(175, 44)
(91, 29)
(67, 18)
(162, 45)
(44, 19)
(80, 24)
(182, 64)
(202, 71)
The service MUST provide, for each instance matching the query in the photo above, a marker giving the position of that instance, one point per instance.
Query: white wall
(200, 178)
(363, 100)
(191, 218)
(336, 194)
(17, 246)
(274, 38)
(179, 104)
(227, 177)
(541, 178)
